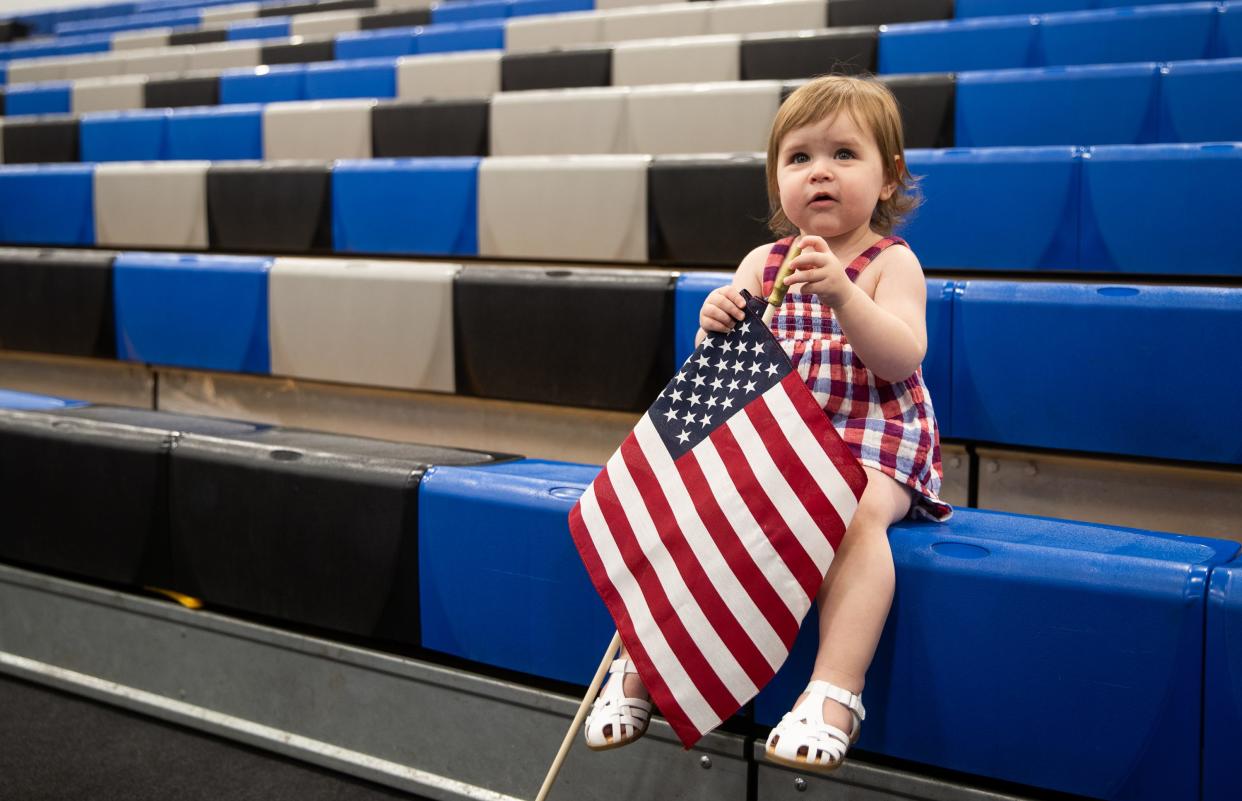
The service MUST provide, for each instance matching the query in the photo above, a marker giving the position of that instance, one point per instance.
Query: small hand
(723, 308)
(820, 272)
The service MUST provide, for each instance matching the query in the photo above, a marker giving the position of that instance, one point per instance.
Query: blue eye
(844, 153)
(799, 158)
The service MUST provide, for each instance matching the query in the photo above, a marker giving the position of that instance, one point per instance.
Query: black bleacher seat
(395, 19)
(270, 206)
(7, 32)
(85, 490)
(845, 13)
(687, 231)
(40, 140)
(197, 37)
(314, 528)
(429, 128)
(290, 9)
(181, 92)
(558, 69)
(611, 346)
(299, 53)
(57, 301)
(786, 56)
(928, 105)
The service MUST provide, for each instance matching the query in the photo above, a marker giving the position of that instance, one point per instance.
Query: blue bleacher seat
(261, 28)
(1194, 100)
(962, 224)
(4, 76)
(528, 8)
(51, 97)
(205, 312)
(469, 10)
(368, 77)
(481, 35)
(1059, 655)
(1177, 31)
(373, 44)
(140, 135)
(1222, 692)
(1229, 39)
(25, 401)
(417, 205)
(954, 45)
(263, 84)
(1111, 104)
(692, 290)
(965, 9)
(216, 133)
(48, 204)
(497, 537)
(1104, 368)
(1133, 197)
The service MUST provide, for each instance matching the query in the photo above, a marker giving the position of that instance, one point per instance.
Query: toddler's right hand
(723, 308)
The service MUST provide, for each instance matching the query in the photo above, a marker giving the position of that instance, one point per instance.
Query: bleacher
(267, 247)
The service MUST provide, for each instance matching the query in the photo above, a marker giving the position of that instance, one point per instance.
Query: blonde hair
(873, 108)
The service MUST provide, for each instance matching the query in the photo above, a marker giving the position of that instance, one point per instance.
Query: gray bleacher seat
(646, 22)
(378, 323)
(558, 30)
(145, 39)
(560, 122)
(575, 207)
(32, 70)
(151, 204)
(225, 56)
(321, 129)
(702, 118)
(325, 24)
(448, 75)
(657, 61)
(751, 16)
(108, 94)
(92, 66)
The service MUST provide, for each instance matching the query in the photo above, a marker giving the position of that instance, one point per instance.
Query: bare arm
(724, 306)
(889, 332)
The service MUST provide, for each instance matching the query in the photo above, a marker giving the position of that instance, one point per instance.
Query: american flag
(709, 531)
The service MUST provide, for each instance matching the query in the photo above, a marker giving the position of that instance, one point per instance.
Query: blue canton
(725, 372)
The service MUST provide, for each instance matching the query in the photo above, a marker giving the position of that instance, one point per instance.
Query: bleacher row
(736, 28)
(1097, 210)
(432, 327)
(468, 554)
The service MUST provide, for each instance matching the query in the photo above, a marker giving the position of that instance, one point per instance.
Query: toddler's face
(831, 176)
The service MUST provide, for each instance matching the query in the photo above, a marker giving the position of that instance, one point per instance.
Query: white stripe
(795, 515)
(704, 636)
(811, 452)
(749, 531)
(692, 702)
(740, 605)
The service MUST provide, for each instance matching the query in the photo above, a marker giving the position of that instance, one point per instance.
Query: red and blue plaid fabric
(889, 426)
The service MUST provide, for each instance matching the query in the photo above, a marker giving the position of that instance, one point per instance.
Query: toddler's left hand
(821, 272)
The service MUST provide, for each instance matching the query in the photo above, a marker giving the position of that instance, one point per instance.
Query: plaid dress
(890, 426)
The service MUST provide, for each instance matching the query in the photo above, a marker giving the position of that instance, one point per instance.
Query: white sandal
(803, 740)
(627, 716)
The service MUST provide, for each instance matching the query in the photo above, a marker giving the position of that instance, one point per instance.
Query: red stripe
(688, 653)
(739, 560)
(701, 586)
(769, 519)
(800, 480)
(651, 677)
(813, 416)
(671, 626)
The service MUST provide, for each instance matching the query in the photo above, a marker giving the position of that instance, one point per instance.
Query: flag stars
(681, 376)
(718, 383)
(757, 348)
(695, 400)
(750, 386)
(708, 342)
(702, 361)
(711, 402)
(727, 403)
(754, 368)
(727, 346)
(732, 386)
(689, 418)
(738, 366)
(704, 420)
(684, 437)
(676, 396)
(723, 364)
(772, 368)
(699, 381)
(671, 414)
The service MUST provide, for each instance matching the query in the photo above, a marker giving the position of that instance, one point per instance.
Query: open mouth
(822, 198)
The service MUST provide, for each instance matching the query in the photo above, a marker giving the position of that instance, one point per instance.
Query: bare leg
(855, 597)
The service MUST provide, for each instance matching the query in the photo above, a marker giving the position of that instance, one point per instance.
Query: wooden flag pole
(591, 692)
(778, 286)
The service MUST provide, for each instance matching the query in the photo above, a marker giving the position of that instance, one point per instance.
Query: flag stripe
(746, 630)
(801, 482)
(757, 564)
(818, 445)
(634, 645)
(599, 505)
(795, 515)
(765, 513)
(664, 590)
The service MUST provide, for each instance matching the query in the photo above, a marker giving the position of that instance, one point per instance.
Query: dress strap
(865, 258)
(776, 256)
